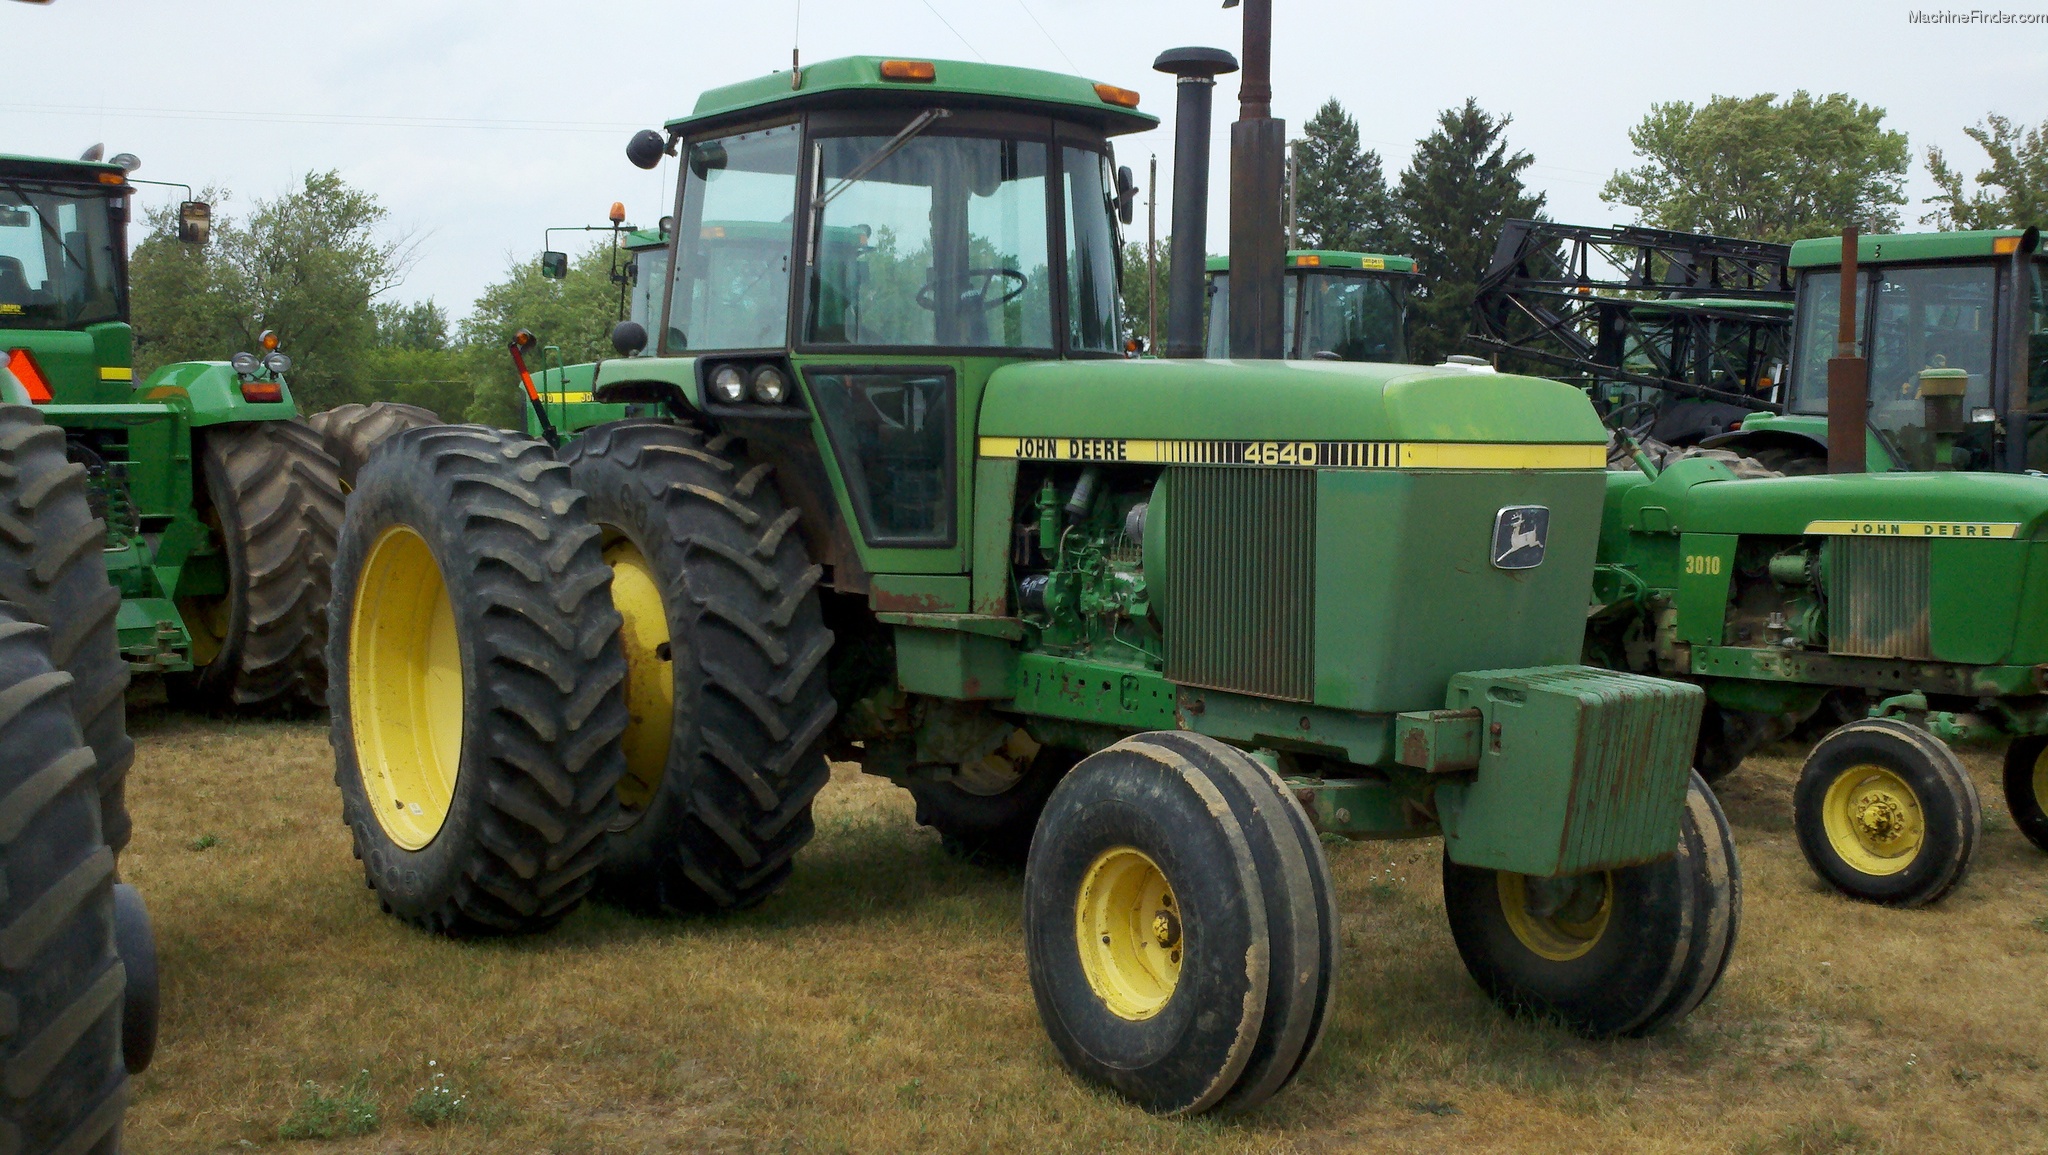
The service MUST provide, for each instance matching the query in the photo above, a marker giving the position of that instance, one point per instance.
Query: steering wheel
(980, 281)
(1636, 418)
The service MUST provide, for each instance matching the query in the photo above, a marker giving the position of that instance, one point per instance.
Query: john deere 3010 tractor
(220, 507)
(1917, 596)
(1150, 624)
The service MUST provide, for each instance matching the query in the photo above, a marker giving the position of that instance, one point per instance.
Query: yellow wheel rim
(1558, 918)
(650, 678)
(1873, 819)
(206, 623)
(2041, 778)
(1127, 926)
(405, 688)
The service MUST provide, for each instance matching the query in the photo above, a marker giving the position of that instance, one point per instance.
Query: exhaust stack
(1186, 306)
(1848, 377)
(1258, 162)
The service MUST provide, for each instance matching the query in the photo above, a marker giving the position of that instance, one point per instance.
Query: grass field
(879, 1004)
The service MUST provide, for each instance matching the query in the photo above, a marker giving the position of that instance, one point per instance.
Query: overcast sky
(479, 124)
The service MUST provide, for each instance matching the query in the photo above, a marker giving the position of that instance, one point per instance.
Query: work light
(728, 384)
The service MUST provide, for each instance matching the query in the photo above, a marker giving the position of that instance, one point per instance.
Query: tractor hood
(1690, 497)
(1286, 401)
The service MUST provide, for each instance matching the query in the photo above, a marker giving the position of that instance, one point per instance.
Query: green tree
(307, 264)
(575, 314)
(1462, 183)
(420, 325)
(2019, 171)
(1341, 195)
(1760, 168)
(1137, 295)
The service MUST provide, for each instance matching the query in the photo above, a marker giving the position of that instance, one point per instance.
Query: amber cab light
(919, 71)
(262, 392)
(1305, 259)
(2005, 246)
(1121, 97)
(30, 375)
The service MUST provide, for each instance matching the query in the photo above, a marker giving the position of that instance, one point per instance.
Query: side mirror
(629, 337)
(646, 148)
(1126, 194)
(195, 222)
(554, 266)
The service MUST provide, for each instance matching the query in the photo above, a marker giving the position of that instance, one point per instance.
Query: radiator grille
(1877, 598)
(1240, 609)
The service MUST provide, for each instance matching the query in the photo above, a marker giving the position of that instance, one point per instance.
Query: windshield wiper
(918, 124)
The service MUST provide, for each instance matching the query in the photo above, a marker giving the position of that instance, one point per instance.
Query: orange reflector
(2005, 245)
(30, 375)
(1309, 259)
(261, 392)
(1121, 97)
(917, 70)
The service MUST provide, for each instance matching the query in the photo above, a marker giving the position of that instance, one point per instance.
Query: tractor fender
(1746, 441)
(210, 393)
(670, 380)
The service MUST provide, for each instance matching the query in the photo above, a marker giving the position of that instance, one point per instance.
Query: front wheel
(2026, 786)
(1618, 952)
(1180, 925)
(1886, 814)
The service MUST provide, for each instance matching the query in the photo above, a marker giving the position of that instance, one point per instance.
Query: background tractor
(1897, 612)
(220, 508)
(1152, 626)
(1338, 306)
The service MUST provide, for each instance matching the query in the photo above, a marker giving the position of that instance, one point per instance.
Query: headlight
(728, 384)
(245, 364)
(278, 363)
(770, 386)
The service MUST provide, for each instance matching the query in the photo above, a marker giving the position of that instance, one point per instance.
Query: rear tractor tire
(1616, 953)
(349, 432)
(725, 648)
(2026, 787)
(51, 567)
(476, 697)
(987, 812)
(273, 497)
(62, 983)
(1180, 925)
(1885, 813)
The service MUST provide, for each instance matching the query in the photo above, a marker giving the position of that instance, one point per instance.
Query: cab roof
(1330, 259)
(857, 81)
(56, 168)
(1826, 252)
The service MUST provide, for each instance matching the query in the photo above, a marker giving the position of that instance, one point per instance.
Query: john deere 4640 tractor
(220, 507)
(1151, 625)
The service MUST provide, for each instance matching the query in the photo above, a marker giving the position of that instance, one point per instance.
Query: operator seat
(14, 287)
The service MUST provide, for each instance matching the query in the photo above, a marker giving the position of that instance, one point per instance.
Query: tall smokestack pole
(1197, 69)
(1258, 162)
(1848, 377)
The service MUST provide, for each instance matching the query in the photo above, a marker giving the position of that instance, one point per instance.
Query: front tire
(1178, 925)
(61, 977)
(2026, 787)
(1886, 814)
(476, 694)
(725, 747)
(274, 497)
(1621, 952)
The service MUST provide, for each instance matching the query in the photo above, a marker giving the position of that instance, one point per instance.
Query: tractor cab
(1338, 306)
(63, 278)
(1936, 311)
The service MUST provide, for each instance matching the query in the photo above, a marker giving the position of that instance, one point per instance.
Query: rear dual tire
(350, 432)
(476, 705)
(1180, 925)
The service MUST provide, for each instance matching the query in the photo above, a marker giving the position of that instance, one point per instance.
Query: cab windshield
(943, 242)
(60, 259)
(1340, 317)
(1916, 317)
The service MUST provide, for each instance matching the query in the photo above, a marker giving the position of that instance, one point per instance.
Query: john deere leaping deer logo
(1518, 536)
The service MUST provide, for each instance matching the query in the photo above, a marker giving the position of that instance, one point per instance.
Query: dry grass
(880, 1005)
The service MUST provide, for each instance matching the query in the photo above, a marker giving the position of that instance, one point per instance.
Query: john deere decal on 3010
(1151, 625)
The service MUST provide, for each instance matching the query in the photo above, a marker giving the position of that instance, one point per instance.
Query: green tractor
(1153, 627)
(1969, 303)
(220, 507)
(1899, 611)
(1338, 306)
